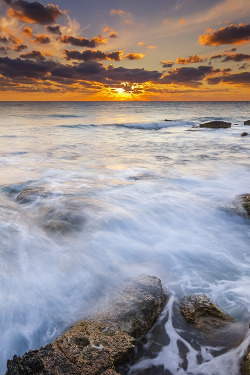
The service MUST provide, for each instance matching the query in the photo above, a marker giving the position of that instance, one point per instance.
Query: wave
(136, 126)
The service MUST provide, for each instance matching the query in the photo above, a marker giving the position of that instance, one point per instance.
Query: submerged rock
(244, 134)
(97, 346)
(216, 124)
(247, 122)
(199, 310)
(31, 194)
(63, 218)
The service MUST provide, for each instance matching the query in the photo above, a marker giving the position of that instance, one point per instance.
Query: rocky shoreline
(100, 344)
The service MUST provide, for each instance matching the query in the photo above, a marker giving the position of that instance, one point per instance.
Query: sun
(127, 90)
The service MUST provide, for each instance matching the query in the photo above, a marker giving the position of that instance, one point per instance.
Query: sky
(146, 50)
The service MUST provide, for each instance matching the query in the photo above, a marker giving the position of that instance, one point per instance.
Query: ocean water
(122, 192)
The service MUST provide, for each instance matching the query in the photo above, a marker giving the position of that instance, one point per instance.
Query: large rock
(245, 364)
(245, 201)
(199, 310)
(95, 347)
(135, 306)
(216, 124)
(247, 122)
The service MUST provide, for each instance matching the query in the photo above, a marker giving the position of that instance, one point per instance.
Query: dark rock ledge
(216, 124)
(98, 345)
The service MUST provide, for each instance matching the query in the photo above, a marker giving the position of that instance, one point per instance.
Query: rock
(31, 194)
(167, 119)
(245, 201)
(63, 218)
(199, 310)
(245, 364)
(95, 347)
(244, 134)
(247, 122)
(216, 124)
(135, 306)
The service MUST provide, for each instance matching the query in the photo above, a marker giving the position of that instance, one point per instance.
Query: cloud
(234, 79)
(82, 42)
(225, 57)
(24, 68)
(33, 12)
(182, 22)
(42, 39)
(34, 55)
(167, 63)
(132, 75)
(189, 60)
(114, 12)
(54, 29)
(92, 55)
(112, 32)
(187, 76)
(134, 56)
(3, 39)
(27, 31)
(232, 34)
(19, 47)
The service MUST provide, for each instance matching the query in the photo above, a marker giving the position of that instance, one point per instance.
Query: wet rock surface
(245, 364)
(247, 122)
(97, 346)
(31, 194)
(216, 124)
(135, 306)
(245, 201)
(244, 134)
(200, 311)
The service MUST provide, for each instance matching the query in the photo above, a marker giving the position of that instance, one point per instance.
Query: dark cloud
(24, 68)
(3, 39)
(34, 11)
(92, 55)
(42, 39)
(187, 76)
(243, 66)
(189, 60)
(232, 34)
(34, 55)
(231, 57)
(214, 57)
(236, 57)
(113, 35)
(237, 78)
(167, 63)
(20, 47)
(54, 29)
(132, 75)
(134, 56)
(82, 42)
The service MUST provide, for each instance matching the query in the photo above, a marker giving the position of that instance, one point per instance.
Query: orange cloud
(134, 56)
(116, 12)
(189, 60)
(151, 47)
(167, 63)
(232, 34)
(27, 31)
(42, 39)
(182, 22)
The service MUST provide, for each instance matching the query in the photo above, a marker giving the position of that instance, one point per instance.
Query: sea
(117, 191)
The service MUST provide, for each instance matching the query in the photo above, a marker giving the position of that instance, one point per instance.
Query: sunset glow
(188, 50)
